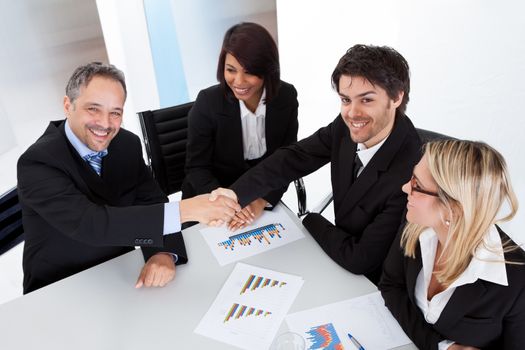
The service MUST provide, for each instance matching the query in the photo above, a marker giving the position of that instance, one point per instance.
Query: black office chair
(424, 135)
(11, 229)
(165, 134)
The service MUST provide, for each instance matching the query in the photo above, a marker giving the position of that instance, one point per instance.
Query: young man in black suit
(372, 147)
(88, 197)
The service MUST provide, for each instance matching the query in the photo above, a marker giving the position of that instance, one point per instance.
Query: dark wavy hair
(380, 65)
(256, 51)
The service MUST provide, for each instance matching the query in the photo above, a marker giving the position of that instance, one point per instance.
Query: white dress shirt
(487, 264)
(172, 222)
(366, 154)
(253, 129)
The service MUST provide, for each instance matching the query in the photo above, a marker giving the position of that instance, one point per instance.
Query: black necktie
(357, 165)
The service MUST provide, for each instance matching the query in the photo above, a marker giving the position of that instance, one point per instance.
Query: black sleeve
(199, 151)
(394, 291)
(366, 254)
(285, 165)
(49, 191)
(148, 191)
(514, 323)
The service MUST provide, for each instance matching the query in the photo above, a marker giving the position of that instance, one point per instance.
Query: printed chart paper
(272, 230)
(366, 318)
(250, 307)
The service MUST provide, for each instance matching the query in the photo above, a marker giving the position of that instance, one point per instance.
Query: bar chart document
(250, 307)
(272, 230)
(364, 318)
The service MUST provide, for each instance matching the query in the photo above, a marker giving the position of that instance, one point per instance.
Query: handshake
(217, 208)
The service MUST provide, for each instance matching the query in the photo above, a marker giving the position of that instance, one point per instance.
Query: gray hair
(83, 75)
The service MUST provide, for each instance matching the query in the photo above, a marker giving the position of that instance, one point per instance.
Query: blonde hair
(473, 184)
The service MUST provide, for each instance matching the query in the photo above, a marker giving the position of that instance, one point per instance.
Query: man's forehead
(356, 84)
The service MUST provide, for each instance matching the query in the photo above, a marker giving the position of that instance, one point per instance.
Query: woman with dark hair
(243, 119)
(453, 279)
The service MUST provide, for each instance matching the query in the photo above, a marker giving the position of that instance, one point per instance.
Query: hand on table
(248, 214)
(206, 210)
(457, 346)
(157, 272)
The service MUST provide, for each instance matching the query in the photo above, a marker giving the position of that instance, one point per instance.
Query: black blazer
(73, 219)
(214, 154)
(367, 212)
(482, 314)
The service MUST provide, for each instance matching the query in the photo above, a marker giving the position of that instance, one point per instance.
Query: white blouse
(486, 265)
(253, 129)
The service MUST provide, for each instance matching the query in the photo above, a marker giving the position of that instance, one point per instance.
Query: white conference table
(100, 309)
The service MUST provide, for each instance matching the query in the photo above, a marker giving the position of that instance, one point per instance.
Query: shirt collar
(487, 263)
(259, 112)
(366, 154)
(79, 146)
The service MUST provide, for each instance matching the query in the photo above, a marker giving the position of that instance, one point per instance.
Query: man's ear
(397, 102)
(68, 106)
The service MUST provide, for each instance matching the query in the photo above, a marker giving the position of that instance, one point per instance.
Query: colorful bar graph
(264, 233)
(253, 282)
(324, 337)
(237, 311)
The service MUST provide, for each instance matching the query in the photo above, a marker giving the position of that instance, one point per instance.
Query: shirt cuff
(444, 344)
(171, 218)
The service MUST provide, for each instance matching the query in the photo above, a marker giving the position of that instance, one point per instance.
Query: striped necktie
(95, 160)
(357, 165)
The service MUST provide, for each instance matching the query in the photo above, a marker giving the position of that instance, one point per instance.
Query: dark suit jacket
(215, 150)
(482, 314)
(73, 219)
(367, 212)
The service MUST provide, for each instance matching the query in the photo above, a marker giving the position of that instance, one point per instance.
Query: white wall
(467, 62)
(42, 43)
(201, 25)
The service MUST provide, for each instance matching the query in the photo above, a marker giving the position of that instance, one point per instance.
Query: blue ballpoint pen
(355, 342)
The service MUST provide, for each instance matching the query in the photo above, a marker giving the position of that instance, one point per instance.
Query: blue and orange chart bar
(253, 282)
(237, 311)
(264, 233)
(324, 337)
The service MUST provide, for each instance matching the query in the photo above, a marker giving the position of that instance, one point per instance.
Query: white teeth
(99, 132)
(358, 125)
(241, 91)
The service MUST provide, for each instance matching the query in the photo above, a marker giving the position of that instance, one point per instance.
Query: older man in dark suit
(372, 147)
(87, 195)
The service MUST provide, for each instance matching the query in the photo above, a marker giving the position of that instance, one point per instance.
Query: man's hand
(248, 214)
(457, 346)
(203, 209)
(157, 272)
(219, 191)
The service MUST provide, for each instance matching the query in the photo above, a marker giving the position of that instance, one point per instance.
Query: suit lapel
(345, 161)
(275, 123)
(379, 163)
(81, 168)
(459, 304)
(229, 118)
(412, 271)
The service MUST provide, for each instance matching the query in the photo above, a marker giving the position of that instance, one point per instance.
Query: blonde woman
(453, 279)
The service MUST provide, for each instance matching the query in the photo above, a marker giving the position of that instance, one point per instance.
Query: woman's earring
(447, 222)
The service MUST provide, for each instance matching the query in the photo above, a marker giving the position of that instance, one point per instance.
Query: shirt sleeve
(444, 344)
(172, 222)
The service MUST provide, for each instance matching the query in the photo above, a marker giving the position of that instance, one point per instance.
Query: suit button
(150, 241)
(137, 242)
